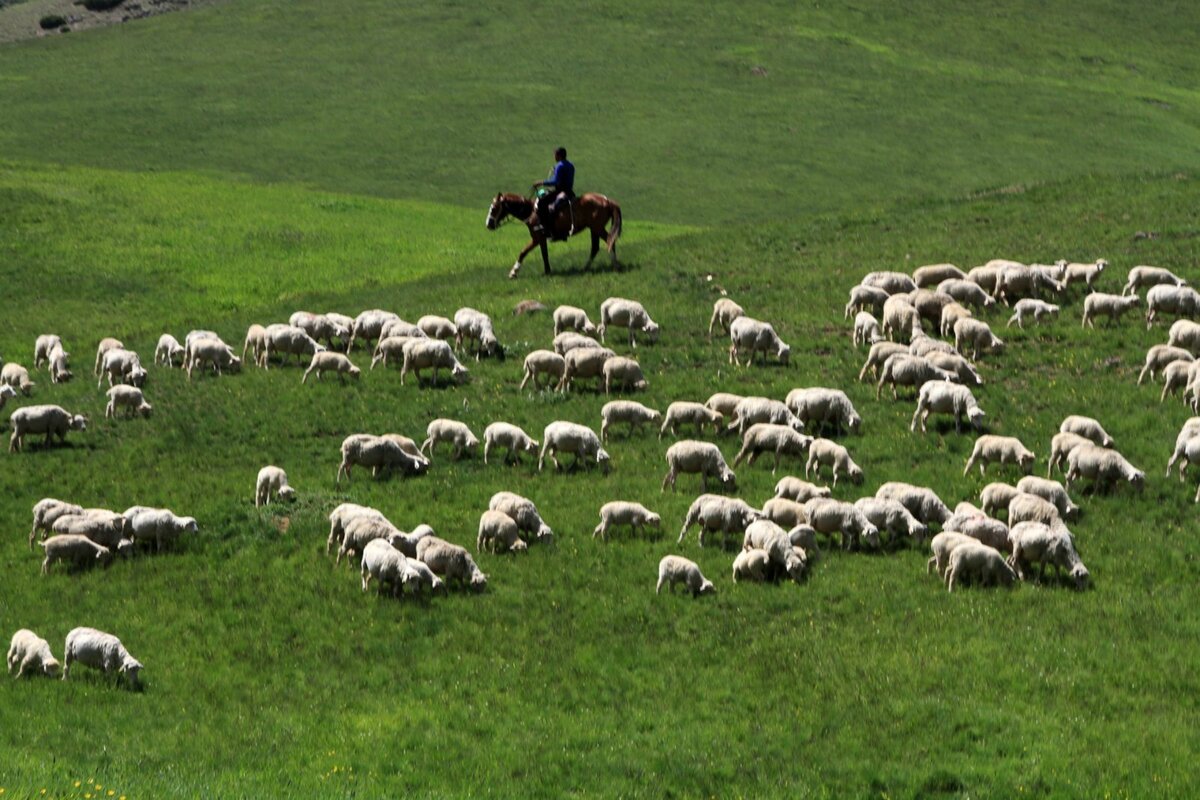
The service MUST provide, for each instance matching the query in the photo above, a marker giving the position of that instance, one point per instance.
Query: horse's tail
(615, 233)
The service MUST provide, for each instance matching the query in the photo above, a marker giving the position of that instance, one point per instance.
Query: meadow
(269, 673)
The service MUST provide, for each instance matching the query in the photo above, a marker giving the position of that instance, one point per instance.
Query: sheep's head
(654, 520)
(707, 588)
(545, 535)
(1025, 460)
(145, 409)
(588, 329)
(531, 447)
(50, 667)
(652, 331)
(976, 414)
(1007, 575)
(1080, 575)
(79, 423)
(460, 374)
(855, 474)
(103, 556)
(1138, 480)
(478, 581)
(784, 353)
(131, 668)
(6, 392)
(189, 525)
(728, 480)
(287, 493)
(604, 460)
(235, 363)
(519, 546)
(871, 534)
(354, 372)
(125, 548)
(796, 565)
(854, 423)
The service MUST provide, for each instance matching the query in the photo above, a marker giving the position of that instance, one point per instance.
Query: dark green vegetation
(270, 674)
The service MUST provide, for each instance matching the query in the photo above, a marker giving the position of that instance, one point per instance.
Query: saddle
(562, 225)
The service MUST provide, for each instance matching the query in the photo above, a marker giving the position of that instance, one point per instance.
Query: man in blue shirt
(562, 184)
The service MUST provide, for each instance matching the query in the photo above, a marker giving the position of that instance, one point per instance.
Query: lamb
(996, 497)
(102, 526)
(1087, 274)
(101, 651)
(456, 433)
(1088, 428)
(385, 564)
(784, 512)
(1186, 433)
(418, 576)
(568, 437)
(368, 326)
(987, 275)
(725, 311)
(524, 513)
(543, 362)
(410, 448)
(951, 314)
(1190, 453)
(963, 370)
(778, 439)
(1028, 306)
(54, 421)
(567, 341)
(129, 397)
(723, 403)
(289, 341)
(782, 557)
(805, 538)
(17, 377)
(879, 354)
(991, 532)
(1051, 491)
(800, 491)
(121, 365)
(677, 569)
(320, 326)
(1061, 446)
(714, 513)
(1034, 543)
(891, 282)
(907, 370)
(341, 516)
(159, 526)
(512, 438)
(936, 274)
(702, 457)
(967, 292)
(255, 343)
(432, 353)
(865, 298)
(823, 452)
(212, 351)
(29, 654)
(922, 502)
(1143, 276)
(1112, 306)
(570, 318)
(943, 545)
(621, 313)
(620, 512)
(622, 373)
(900, 317)
(626, 411)
(46, 511)
(753, 410)
(1024, 281)
(1027, 507)
(400, 327)
(1186, 334)
(923, 345)
(754, 336)
(330, 361)
(947, 398)
(1182, 301)
(167, 349)
(583, 363)
(498, 532)
(824, 407)
(1001, 450)
(930, 305)
(893, 517)
(866, 329)
(1159, 356)
(687, 413)
(976, 561)
(76, 549)
(451, 562)
(830, 516)
(978, 335)
(6, 392)
(272, 480)
(473, 326)
(106, 344)
(359, 531)
(751, 565)
(59, 370)
(390, 347)
(42, 348)
(378, 453)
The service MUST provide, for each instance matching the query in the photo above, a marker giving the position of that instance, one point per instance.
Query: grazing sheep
(805, 537)
(947, 398)
(432, 353)
(54, 421)
(1061, 446)
(829, 516)
(617, 312)
(211, 351)
(823, 452)
(359, 531)
(1159, 356)
(753, 410)
(514, 440)
(59, 369)
(128, 397)
(879, 354)
(784, 513)
(908, 370)
(46, 511)
(1186, 432)
(567, 341)
(1086, 274)
(368, 326)
(1051, 491)
(475, 327)
(1112, 306)
(330, 361)
(936, 274)
(723, 403)
(922, 502)
(622, 373)
(101, 651)
(289, 340)
(391, 348)
(698, 457)
(378, 453)
(400, 327)
(865, 298)
(683, 412)
(1143, 276)
(1022, 281)
(75, 549)
(800, 491)
(987, 276)
(930, 305)
(410, 447)
(900, 317)
(966, 292)
(963, 370)
(951, 314)
(763, 437)
(1189, 454)
(1186, 334)
(341, 516)
(1027, 507)
(272, 480)
(418, 576)
(1088, 428)
(385, 564)
(167, 349)
(584, 363)
(783, 557)
(17, 377)
(677, 569)
(866, 329)
(524, 513)
(321, 326)
(893, 517)
(568, 437)
(975, 561)
(451, 562)
(751, 565)
(825, 407)
(725, 311)
(456, 433)
(748, 335)
(1001, 450)
(991, 532)
(923, 345)
(570, 318)
(159, 526)
(121, 366)
(1181, 301)
(498, 532)
(890, 282)
(717, 514)
(978, 335)
(626, 411)
(6, 392)
(543, 362)
(255, 343)
(1035, 543)
(943, 545)
(106, 344)
(996, 497)
(43, 346)
(1029, 306)
(620, 512)
(29, 654)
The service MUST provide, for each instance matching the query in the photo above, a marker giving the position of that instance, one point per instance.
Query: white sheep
(16, 376)
(1027, 507)
(101, 651)
(866, 329)
(936, 274)
(289, 340)
(432, 354)
(801, 491)
(996, 497)
(750, 336)
(569, 437)
(59, 368)
(621, 313)
(805, 537)
(360, 531)
(893, 517)
(783, 557)
(212, 351)
(128, 397)
(900, 317)
(903, 369)
(1030, 307)
(6, 392)
(942, 546)
(824, 452)
(378, 453)
(890, 282)
(167, 349)
(627, 412)
(683, 412)
(451, 562)
(1187, 455)
(1159, 356)
(475, 327)
(978, 335)
(341, 516)
(418, 576)
(622, 373)
(751, 565)
(951, 314)
(498, 532)
(510, 437)
(717, 514)
(1186, 433)
(975, 561)
(453, 432)
(120, 366)
(698, 457)
(1061, 446)
(622, 512)
(75, 549)
(1143, 276)
(947, 398)
(524, 513)
(725, 311)
(1088, 428)
(966, 292)
(1186, 334)
(1051, 491)
(321, 326)
(43, 346)
(825, 407)
(49, 509)
(963, 370)
(829, 516)
(1112, 306)
(878, 355)
(272, 480)
(1086, 274)
(390, 348)
(677, 569)
(922, 502)
(1181, 301)
(106, 344)
(980, 527)
(753, 410)
(54, 421)
(987, 275)
(930, 305)
(331, 361)
(436, 327)
(784, 512)
(1024, 281)
(865, 298)
(400, 327)
(1035, 543)
(764, 437)
(410, 448)
(256, 343)
(385, 564)
(160, 526)
(567, 341)
(29, 654)
(723, 403)
(543, 362)
(1000, 450)
(584, 363)
(923, 345)
(368, 326)
(570, 318)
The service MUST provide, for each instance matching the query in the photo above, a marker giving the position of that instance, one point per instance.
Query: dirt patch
(283, 523)
(22, 20)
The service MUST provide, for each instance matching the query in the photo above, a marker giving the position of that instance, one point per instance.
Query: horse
(591, 212)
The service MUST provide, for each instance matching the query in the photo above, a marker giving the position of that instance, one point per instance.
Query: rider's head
(560, 154)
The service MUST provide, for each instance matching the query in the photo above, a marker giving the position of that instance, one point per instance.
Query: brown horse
(589, 212)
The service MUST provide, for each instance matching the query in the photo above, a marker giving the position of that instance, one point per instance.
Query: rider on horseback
(562, 185)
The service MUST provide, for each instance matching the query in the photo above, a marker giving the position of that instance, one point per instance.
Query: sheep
(723, 403)
(753, 336)
(963, 370)
(879, 354)
(922, 344)
(368, 326)
(753, 410)
(167, 349)
(930, 305)
(567, 341)
(17, 377)
(677, 569)
(6, 392)
(683, 412)
(942, 546)
(778, 439)
(543, 362)
(900, 317)
(823, 452)
(976, 561)
(922, 502)
(390, 347)
(1088, 428)
(626, 411)
(1061, 446)
(472, 326)
(400, 327)
(212, 351)
(1087, 274)
(1189, 430)
(725, 311)
(1112, 306)
(893, 517)
(947, 398)
(1001, 450)
(102, 526)
(622, 373)
(272, 480)
(289, 341)
(891, 282)
(385, 564)
(908, 370)
(865, 298)
(829, 516)
(451, 562)
(456, 433)
(1029, 306)
(331, 361)
(991, 532)
(978, 335)
(702, 457)
(524, 513)
(583, 363)
(1035, 543)
(418, 576)
(866, 329)
(1024, 281)
(54, 421)
(800, 491)
(987, 276)
(59, 370)
(320, 326)
(570, 318)
(620, 512)
(782, 556)
(76, 549)
(129, 397)
(46, 511)
(826, 407)
(967, 293)
(805, 537)
(341, 516)
(1051, 491)
(255, 343)
(119, 366)
(714, 513)
(568, 437)
(996, 497)
(159, 526)
(1143, 276)
(621, 313)
(1182, 301)
(101, 651)
(421, 461)
(784, 512)
(964, 512)
(376, 452)
(1189, 453)
(498, 532)
(1159, 356)
(751, 565)
(936, 274)
(106, 344)
(42, 348)
(1026, 507)
(432, 353)
(952, 313)
(361, 530)
(1186, 334)
(29, 654)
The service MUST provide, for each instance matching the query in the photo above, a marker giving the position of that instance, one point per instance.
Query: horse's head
(505, 206)
(496, 213)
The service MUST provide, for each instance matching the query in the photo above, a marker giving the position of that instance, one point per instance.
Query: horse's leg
(545, 256)
(533, 242)
(595, 248)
